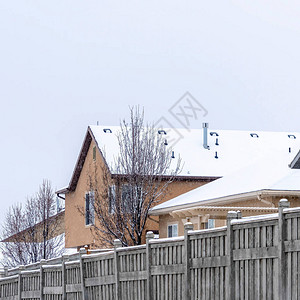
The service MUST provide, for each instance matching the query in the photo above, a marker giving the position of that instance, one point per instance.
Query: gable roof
(268, 176)
(229, 149)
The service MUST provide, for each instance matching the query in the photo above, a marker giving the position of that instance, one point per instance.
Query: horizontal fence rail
(250, 258)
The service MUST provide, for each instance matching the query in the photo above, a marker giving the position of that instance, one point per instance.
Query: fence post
(187, 270)
(5, 271)
(64, 276)
(239, 214)
(20, 282)
(117, 244)
(82, 251)
(42, 279)
(230, 278)
(282, 266)
(149, 236)
(2, 273)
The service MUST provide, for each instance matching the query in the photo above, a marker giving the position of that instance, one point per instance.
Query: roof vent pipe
(205, 128)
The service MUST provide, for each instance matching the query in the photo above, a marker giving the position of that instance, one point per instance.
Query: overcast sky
(67, 64)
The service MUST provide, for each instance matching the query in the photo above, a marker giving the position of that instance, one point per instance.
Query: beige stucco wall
(77, 233)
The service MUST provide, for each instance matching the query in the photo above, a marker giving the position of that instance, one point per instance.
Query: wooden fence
(251, 258)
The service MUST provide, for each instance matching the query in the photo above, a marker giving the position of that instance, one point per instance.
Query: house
(99, 150)
(253, 190)
(207, 155)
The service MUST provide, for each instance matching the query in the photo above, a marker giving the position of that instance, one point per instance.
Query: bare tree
(31, 232)
(123, 194)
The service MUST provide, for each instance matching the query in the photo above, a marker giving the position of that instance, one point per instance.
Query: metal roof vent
(216, 155)
(217, 142)
(214, 133)
(205, 127)
(107, 130)
(166, 142)
(162, 132)
(292, 136)
(173, 154)
(290, 149)
(254, 135)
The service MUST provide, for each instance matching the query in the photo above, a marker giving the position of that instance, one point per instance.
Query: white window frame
(211, 223)
(173, 225)
(112, 198)
(89, 208)
(94, 153)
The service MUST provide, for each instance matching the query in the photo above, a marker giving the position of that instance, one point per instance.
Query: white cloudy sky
(67, 64)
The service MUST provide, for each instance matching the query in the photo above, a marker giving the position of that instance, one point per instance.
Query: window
(209, 224)
(94, 153)
(126, 196)
(112, 198)
(172, 230)
(89, 208)
(130, 196)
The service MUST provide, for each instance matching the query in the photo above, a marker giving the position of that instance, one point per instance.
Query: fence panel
(73, 282)
(255, 258)
(52, 282)
(9, 288)
(99, 276)
(208, 264)
(167, 269)
(292, 246)
(132, 273)
(30, 283)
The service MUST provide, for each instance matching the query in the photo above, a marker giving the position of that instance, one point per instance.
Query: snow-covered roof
(229, 150)
(234, 149)
(268, 175)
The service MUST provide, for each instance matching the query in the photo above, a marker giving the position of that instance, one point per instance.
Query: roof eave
(221, 200)
(89, 137)
(62, 191)
(195, 211)
(176, 177)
